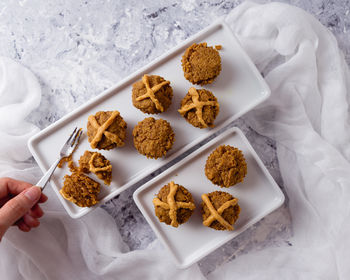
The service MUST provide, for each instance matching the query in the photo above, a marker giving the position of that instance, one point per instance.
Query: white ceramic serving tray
(258, 195)
(238, 88)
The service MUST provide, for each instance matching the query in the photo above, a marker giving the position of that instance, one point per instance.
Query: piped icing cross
(92, 168)
(217, 214)
(172, 205)
(150, 92)
(198, 105)
(102, 130)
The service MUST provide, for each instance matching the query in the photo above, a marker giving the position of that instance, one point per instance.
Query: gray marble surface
(79, 48)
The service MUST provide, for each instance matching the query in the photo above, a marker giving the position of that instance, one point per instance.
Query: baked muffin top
(96, 163)
(106, 130)
(226, 166)
(173, 204)
(152, 94)
(153, 138)
(220, 210)
(201, 64)
(199, 107)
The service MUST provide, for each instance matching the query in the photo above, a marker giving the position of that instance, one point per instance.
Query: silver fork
(66, 151)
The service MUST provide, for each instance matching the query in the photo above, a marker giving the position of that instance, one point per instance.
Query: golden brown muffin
(199, 107)
(106, 130)
(80, 189)
(153, 138)
(220, 210)
(96, 163)
(226, 166)
(174, 204)
(201, 64)
(152, 94)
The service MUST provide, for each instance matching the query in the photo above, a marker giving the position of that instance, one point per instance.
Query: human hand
(19, 205)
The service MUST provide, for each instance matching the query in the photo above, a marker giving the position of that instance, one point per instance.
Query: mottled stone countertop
(79, 48)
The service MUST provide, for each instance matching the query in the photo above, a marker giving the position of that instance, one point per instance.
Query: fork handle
(43, 181)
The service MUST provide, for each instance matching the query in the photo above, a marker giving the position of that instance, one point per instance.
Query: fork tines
(77, 136)
(74, 137)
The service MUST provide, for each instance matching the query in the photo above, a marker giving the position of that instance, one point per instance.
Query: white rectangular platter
(258, 195)
(238, 88)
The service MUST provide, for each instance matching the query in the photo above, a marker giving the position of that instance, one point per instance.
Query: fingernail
(33, 193)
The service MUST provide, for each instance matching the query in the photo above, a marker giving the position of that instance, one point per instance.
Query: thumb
(15, 208)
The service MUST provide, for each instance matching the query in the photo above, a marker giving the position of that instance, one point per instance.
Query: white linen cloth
(308, 117)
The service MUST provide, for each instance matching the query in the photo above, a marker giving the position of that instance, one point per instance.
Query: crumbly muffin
(96, 163)
(220, 210)
(80, 189)
(173, 204)
(106, 130)
(199, 107)
(201, 64)
(153, 138)
(152, 94)
(226, 166)
(69, 161)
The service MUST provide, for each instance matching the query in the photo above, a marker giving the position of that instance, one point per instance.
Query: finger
(12, 186)
(43, 198)
(18, 222)
(30, 221)
(36, 211)
(22, 226)
(27, 222)
(15, 208)
(4, 200)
